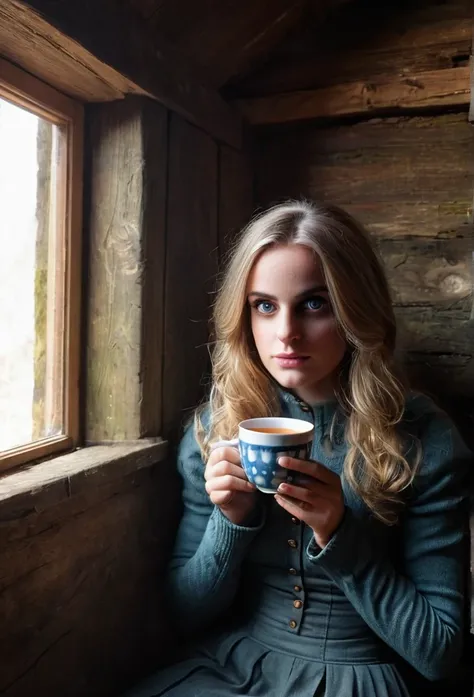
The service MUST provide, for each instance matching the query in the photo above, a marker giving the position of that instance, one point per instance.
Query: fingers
(226, 453)
(228, 483)
(292, 506)
(224, 468)
(311, 468)
(298, 493)
(221, 498)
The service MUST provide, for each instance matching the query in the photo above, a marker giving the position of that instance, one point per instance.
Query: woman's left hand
(318, 500)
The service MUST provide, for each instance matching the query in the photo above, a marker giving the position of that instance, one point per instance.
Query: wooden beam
(127, 149)
(450, 87)
(115, 48)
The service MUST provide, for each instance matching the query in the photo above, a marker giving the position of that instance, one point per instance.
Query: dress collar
(322, 413)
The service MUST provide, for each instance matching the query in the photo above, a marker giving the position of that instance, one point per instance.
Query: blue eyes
(264, 306)
(315, 304)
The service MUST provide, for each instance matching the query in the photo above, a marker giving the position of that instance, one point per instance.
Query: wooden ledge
(39, 486)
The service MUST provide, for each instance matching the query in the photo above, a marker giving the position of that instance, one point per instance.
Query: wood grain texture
(427, 272)
(191, 266)
(236, 194)
(155, 134)
(402, 176)
(361, 42)
(32, 43)
(82, 589)
(385, 93)
(112, 46)
(128, 163)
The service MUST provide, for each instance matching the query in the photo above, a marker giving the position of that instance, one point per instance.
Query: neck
(318, 394)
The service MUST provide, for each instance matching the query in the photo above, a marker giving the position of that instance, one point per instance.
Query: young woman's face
(292, 322)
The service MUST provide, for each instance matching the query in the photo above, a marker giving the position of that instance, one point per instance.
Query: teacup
(262, 441)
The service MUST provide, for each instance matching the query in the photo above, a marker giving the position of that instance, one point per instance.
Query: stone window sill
(37, 487)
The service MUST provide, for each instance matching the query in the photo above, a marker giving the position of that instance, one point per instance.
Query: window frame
(24, 90)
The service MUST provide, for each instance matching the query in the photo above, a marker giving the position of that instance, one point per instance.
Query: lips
(290, 360)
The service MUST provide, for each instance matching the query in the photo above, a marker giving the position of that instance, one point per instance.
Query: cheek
(328, 339)
(259, 331)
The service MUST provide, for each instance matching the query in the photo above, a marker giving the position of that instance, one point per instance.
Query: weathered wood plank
(436, 330)
(363, 41)
(51, 482)
(55, 59)
(113, 48)
(155, 134)
(82, 588)
(401, 176)
(235, 194)
(191, 265)
(429, 272)
(128, 162)
(389, 93)
(436, 345)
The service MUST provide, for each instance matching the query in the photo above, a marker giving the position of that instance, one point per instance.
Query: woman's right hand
(228, 486)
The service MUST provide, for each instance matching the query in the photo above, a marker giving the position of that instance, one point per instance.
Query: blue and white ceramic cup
(262, 441)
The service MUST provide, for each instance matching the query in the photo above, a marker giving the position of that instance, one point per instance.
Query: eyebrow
(304, 294)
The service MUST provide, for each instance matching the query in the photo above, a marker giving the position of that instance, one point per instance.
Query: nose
(288, 328)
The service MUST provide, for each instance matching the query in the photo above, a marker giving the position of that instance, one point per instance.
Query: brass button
(297, 604)
(293, 543)
(292, 572)
(293, 624)
(297, 589)
(295, 521)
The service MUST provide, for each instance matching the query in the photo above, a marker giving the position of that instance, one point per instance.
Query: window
(40, 280)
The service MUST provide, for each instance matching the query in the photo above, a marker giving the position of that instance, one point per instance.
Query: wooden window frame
(24, 90)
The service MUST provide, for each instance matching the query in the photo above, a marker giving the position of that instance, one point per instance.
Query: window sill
(40, 486)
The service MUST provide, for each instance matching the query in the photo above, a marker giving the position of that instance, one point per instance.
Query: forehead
(288, 269)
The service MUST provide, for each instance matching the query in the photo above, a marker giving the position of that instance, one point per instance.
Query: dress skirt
(236, 664)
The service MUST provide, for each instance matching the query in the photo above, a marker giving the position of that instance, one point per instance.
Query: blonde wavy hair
(370, 390)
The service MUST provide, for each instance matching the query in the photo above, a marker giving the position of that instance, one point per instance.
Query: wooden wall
(410, 177)
(81, 611)
(210, 196)
(164, 199)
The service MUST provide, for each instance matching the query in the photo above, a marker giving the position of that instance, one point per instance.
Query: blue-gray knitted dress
(338, 622)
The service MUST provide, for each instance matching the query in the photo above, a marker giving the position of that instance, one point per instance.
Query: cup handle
(225, 444)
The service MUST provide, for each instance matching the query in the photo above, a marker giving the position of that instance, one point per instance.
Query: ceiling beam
(115, 47)
(450, 87)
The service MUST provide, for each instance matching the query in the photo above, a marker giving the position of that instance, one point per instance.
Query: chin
(292, 380)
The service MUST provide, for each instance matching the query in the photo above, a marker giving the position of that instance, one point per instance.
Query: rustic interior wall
(80, 588)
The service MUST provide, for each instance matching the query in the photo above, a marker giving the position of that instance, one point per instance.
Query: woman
(338, 585)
